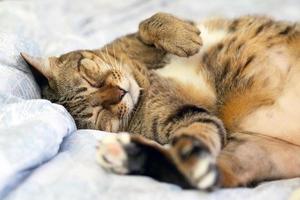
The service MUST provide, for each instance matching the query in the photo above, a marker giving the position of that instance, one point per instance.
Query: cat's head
(99, 91)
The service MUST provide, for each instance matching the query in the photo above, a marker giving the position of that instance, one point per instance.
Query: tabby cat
(223, 106)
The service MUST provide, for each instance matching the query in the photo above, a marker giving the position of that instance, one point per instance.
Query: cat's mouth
(131, 98)
(116, 104)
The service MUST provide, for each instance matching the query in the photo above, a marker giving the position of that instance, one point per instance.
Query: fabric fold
(31, 132)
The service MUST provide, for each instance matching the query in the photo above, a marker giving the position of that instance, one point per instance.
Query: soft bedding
(42, 155)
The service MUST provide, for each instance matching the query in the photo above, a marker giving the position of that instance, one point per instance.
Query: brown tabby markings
(214, 123)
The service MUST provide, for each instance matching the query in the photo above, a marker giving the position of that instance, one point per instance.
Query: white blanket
(42, 156)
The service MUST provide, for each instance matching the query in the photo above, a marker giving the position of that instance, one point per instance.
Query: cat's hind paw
(123, 153)
(186, 162)
(196, 162)
(111, 154)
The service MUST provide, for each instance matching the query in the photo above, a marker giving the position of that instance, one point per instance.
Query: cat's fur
(227, 103)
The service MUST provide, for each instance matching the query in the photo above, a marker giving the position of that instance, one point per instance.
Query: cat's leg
(195, 148)
(157, 36)
(137, 155)
(189, 160)
(247, 159)
(171, 34)
(252, 158)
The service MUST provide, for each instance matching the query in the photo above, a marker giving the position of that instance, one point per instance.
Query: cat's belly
(282, 119)
(187, 71)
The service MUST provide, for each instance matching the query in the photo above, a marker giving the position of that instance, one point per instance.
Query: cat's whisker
(125, 121)
(122, 60)
(119, 66)
(106, 59)
(109, 59)
(114, 52)
(102, 61)
(105, 63)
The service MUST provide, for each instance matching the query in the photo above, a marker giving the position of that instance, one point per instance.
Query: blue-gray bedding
(42, 154)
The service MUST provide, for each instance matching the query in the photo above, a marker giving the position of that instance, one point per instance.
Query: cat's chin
(134, 94)
(134, 90)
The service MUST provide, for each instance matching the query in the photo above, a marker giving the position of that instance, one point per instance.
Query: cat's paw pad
(111, 154)
(196, 163)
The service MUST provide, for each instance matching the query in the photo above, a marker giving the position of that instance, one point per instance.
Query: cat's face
(98, 91)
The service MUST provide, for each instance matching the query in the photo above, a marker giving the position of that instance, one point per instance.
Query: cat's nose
(116, 95)
(121, 92)
(107, 96)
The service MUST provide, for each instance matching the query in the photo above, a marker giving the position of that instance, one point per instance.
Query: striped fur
(202, 102)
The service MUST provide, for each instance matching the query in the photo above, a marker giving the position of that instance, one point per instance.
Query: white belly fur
(281, 120)
(186, 70)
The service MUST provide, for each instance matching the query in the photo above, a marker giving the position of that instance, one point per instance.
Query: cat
(206, 105)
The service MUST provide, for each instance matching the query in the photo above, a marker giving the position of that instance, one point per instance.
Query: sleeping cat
(223, 106)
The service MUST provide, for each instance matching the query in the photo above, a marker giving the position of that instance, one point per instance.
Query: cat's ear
(42, 65)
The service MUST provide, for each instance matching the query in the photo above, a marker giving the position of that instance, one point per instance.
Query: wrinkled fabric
(42, 156)
(74, 174)
(31, 132)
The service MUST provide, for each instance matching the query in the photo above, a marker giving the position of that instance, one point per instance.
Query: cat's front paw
(196, 162)
(171, 34)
